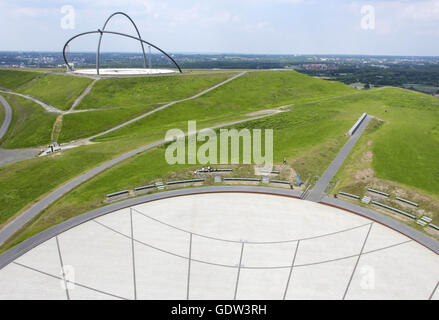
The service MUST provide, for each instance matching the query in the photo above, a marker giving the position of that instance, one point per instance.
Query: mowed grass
(57, 90)
(309, 135)
(88, 156)
(251, 92)
(148, 91)
(85, 124)
(141, 91)
(294, 135)
(24, 182)
(31, 125)
(406, 146)
(11, 79)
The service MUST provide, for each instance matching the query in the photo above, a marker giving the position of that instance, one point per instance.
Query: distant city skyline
(304, 27)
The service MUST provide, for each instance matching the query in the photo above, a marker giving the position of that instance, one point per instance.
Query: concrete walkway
(8, 117)
(318, 192)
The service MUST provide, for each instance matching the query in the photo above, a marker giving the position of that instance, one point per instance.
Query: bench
(242, 179)
(349, 195)
(117, 193)
(407, 201)
(279, 181)
(394, 209)
(184, 181)
(421, 223)
(378, 192)
(144, 187)
(426, 219)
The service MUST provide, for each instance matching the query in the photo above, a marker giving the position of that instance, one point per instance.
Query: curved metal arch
(116, 33)
(100, 39)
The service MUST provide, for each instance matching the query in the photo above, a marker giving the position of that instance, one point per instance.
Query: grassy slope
(309, 135)
(89, 156)
(56, 90)
(148, 92)
(11, 79)
(85, 124)
(406, 147)
(30, 126)
(141, 91)
(399, 154)
(296, 125)
(251, 92)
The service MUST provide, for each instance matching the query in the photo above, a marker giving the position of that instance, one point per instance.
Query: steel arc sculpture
(103, 31)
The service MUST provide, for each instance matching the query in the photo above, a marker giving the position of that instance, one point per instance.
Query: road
(8, 117)
(318, 192)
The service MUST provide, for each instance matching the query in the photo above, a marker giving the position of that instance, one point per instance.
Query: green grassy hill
(400, 148)
(131, 97)
(12, 80)
(251, 92)
(31, 125)
(56, 90)
(144, 91)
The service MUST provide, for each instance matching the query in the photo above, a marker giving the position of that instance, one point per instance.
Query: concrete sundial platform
(123, 71)
(225, 246)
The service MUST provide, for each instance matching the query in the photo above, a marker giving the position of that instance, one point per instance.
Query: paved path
(8, 117)
(8, 156)
(47, 200)
(318, 192)
(83, 94)
(47, 107)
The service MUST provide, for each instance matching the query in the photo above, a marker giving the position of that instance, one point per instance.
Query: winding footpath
(8, 117)
(47, 107)
(83, 94)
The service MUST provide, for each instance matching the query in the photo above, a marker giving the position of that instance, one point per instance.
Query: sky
(385, 27)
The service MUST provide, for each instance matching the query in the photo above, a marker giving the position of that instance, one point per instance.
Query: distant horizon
(235, 53)
(408, 28)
